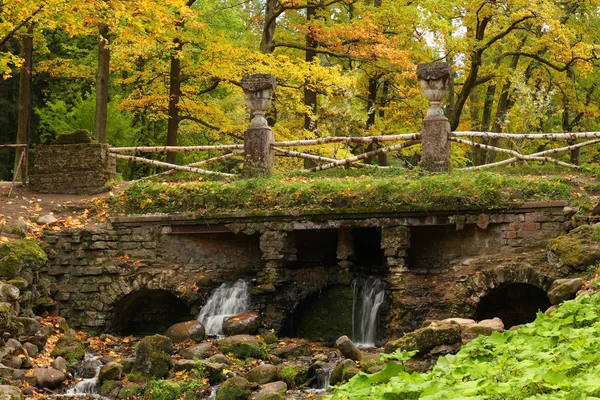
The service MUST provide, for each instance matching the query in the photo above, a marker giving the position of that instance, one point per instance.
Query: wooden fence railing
(405, 141)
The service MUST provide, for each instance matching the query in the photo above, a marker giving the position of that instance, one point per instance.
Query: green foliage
(551, 358)
(167, 390)
(392, 190)
(57, 117)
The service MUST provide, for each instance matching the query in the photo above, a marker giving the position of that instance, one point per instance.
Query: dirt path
(27, 204)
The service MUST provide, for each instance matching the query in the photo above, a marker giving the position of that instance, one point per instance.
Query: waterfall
(368, 298)
(88, 370)
(323, 376)
(226, 301)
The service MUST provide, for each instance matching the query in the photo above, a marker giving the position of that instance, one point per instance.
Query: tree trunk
(174, 95)
(24, 116)
(266, 42)
(310, 96)
(102, 81)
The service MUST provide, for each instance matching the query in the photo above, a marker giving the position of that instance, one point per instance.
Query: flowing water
(368, 297)
(323, 375)
(88, 370)
(226, 301)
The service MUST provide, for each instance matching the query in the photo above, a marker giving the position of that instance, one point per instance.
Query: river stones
(242, 324)
(49, 378)
(348, 349)
(111, 372)
(182, 331)
(270, 391)
(70, 348)
(152, 357)
(237, 388)
(8, 392)
(425, 339)
(243, 346)
(564, 289)
(262, 374)
(198, 351)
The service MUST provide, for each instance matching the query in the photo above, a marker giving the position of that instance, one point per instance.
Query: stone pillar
(274, 246)
(395, 242)
(436, 131)
(258, 155)
(345, 248)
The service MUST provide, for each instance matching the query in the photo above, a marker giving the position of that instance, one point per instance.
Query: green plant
(554, 357)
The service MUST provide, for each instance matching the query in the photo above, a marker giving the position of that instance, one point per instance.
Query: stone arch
(513, 294)
(143, 290)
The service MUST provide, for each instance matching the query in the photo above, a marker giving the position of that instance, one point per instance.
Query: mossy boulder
(270, 391)
(242, 324)
(20, 255)
(326, 316)
(182, 331)
(262, 374)
(8, 392)
(79, 136)
(70, 348)
(343, 371)
(129, 390)
(8, 317)
(237, 388)
(110, 388)
(293, 375)
(243, 346)
(425, 339)
(112, 371)
(152, 357)
(564, 289)
(577, 249)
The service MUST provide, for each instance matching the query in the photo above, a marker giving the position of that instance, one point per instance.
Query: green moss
(390, 190)
(76, 137)
(129, 390)
(293, 375)
(70, 348)
(579, 248)
(243, 349)
(108, 386)
(18, 255)
(234, 389)
(152, 356)
(328, 317)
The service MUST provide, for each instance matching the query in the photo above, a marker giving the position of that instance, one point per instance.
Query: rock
(268, 336)
(192, 330)
(270, 391)
(485, 327)
(348, 349)
(198, 351)
(20, 255)
(243, 346)
(10, 393)
(30, 325)
(242, 324)
(152, 356)
(47, 219)
(425, 339)
(49, 378)
(70, 348)
(15, 227)
(293, 375)
(111, 372)
(262, 374)
(60, 364)
(9, 293)
(31, 349)
(221, 358)
(548, 312)
(577, 249)
(463, 322)
(63, 325)
(214, 370)
(110, 389)
(343, 371)
(293, 351)
(129, 390)
(13, 345)
(237, 388)
(13, 362)
(564, 289)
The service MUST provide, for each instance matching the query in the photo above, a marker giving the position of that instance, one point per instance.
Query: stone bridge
(139, 274)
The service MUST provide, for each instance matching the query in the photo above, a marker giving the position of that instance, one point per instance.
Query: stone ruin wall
(97, 268)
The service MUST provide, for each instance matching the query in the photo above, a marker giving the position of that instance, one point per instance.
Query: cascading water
(88, 370)
(368, 298)
(228, 300)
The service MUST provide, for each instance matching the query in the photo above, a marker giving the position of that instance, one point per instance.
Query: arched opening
(513, 303)
(147, 312)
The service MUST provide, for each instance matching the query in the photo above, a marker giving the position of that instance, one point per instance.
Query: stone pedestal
(436, 146)
(258, 158)
(72, 169)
